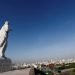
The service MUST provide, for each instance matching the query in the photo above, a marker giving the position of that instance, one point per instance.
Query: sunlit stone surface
(17, 72)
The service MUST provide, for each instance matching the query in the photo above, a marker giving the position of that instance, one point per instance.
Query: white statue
(4, 39)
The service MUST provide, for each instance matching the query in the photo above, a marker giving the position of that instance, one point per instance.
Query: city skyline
(41, 29)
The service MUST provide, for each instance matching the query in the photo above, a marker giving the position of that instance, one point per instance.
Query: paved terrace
(17, 72)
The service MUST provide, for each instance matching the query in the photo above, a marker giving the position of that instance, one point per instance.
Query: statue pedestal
(5, 65)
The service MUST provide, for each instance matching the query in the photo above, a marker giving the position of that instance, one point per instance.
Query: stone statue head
(5, 27)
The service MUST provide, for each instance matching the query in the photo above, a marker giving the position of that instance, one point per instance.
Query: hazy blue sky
(41, 28)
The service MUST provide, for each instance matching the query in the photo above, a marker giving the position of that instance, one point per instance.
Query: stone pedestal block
(5, 65)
